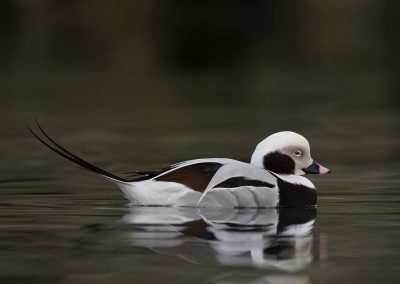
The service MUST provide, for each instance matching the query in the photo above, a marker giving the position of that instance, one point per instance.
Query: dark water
(137, 85)
(60, 224)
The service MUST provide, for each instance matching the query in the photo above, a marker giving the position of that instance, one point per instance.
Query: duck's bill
(316, 168)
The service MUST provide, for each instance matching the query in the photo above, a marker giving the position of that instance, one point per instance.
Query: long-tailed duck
(271, 179)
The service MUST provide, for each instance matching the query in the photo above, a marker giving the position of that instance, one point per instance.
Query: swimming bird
(273, 178)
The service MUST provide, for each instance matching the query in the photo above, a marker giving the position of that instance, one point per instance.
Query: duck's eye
(297, 153)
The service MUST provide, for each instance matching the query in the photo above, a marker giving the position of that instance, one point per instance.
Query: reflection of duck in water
(272, 178)
(268, 238)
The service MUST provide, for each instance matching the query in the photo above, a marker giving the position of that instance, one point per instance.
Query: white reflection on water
(268, 238)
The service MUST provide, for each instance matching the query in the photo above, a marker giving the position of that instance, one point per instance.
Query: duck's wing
(241, 185)
(195, 174)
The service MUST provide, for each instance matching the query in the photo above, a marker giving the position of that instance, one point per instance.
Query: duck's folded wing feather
(195, 174)
(240, 185)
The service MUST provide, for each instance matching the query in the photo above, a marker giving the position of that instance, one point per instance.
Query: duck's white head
(286, 153)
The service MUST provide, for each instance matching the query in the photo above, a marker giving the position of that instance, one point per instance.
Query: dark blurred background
(144, 83)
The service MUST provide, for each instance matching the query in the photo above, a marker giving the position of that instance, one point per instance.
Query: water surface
(61, 224)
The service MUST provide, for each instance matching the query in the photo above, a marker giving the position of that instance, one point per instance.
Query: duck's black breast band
(296, 195)
(279, 163)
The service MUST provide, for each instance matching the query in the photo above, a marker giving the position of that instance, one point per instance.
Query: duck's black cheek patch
(279, 163)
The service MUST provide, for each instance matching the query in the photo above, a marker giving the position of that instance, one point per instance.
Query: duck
(273, 178)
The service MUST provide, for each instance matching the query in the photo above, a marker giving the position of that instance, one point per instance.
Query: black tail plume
(53, 145)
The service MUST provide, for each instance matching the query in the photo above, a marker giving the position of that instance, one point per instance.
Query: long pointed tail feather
(54, 146)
